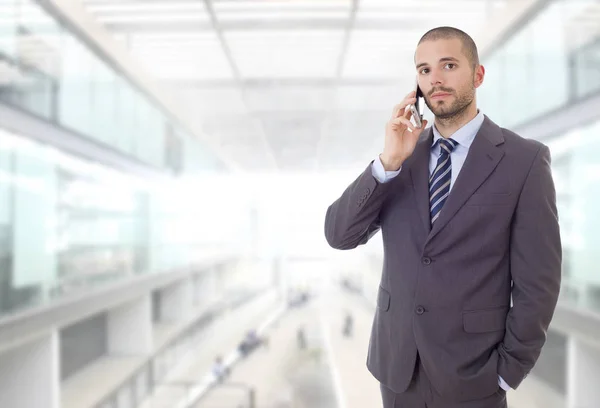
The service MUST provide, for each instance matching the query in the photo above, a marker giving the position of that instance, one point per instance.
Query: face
(446, 77)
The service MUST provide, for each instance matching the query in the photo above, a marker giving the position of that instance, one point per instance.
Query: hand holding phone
(401, 135)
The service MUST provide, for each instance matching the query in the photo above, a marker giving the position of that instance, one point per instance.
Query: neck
(448, 126)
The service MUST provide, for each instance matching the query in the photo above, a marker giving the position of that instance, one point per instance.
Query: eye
(450, 65)
(424, 71)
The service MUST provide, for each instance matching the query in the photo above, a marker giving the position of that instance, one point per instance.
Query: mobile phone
(416, 108)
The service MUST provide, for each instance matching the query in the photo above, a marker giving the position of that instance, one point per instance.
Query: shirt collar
(465, 135)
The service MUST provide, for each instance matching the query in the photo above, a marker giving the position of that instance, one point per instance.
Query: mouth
(440, 95)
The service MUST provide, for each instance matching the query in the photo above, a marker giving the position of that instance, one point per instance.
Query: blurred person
(220, 371)
(250, 342)
(348, 325)
(301, 338)
(468, 214)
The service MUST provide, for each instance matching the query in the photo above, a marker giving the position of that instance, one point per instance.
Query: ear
(478, 75)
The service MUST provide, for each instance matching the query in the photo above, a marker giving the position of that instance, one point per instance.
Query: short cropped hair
(450, 33)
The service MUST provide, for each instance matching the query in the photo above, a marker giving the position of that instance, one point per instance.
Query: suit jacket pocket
(383, 299)
(485, 320)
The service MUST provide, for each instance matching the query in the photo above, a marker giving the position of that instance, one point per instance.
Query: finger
(411, 95)
(408, 113)
(399, 109)
(405, 122)
(424, 124)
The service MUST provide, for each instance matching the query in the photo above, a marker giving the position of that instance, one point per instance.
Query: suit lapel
(482, 159)
(419, 171)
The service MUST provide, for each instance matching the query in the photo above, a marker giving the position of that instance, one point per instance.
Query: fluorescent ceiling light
(173, 45)
(174, 36)
(176, 43)
(281, 5)
(281, 15)
(421, 5)
(415, 14)
(147, 7)
(155, 18)
(285, 36)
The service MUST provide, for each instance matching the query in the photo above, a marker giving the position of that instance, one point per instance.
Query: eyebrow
(444, 59)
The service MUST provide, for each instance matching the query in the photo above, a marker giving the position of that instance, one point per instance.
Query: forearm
(354, 217)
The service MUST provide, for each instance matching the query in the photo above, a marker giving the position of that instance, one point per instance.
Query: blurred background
(166, 165)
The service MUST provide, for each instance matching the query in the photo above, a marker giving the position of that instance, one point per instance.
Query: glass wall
(576, 170)
(552, 61)
(68, 225)
(586, 68)
(46, 70)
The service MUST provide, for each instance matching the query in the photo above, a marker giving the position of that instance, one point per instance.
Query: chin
(440, 112)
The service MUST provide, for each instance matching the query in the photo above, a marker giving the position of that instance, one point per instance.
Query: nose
(435, 78)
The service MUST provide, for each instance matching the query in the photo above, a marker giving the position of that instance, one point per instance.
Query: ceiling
(296, 85)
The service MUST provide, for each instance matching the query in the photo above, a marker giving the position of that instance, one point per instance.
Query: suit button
(426, 260)
(420, 310)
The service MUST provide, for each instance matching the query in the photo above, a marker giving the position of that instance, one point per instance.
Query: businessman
(467, 210)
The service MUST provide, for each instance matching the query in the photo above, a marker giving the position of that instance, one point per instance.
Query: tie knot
(447, 145)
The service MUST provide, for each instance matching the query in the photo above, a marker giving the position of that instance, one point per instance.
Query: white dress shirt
(464, 137)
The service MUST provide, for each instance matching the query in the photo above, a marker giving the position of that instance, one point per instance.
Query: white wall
(29, 375)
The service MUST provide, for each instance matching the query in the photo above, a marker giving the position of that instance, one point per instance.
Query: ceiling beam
(218, 29)
(248, 11)
(271, 24)
(346, 41)
(249, 83)
(349, 29)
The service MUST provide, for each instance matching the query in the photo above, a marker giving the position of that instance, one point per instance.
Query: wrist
(390, 164)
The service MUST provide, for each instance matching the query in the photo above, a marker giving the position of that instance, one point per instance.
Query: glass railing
(68, 225)
(48, 71)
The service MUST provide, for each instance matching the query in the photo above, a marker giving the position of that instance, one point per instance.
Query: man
(468, 217)
(220, 371)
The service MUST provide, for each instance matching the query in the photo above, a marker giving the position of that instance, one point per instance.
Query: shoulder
(531, 146)
(517, 146)
(525, 152)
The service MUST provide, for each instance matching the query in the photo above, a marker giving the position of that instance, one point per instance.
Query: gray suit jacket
(446, 291)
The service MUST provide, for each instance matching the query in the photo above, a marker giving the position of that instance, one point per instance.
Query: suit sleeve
(535, 264)
(354, 217)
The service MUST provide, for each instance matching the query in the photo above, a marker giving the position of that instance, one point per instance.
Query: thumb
(420, 130)
(424, 123)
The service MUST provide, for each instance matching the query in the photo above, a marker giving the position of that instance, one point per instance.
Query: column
(176, 301)
(130, 328)
(29, 375)
(583, 374)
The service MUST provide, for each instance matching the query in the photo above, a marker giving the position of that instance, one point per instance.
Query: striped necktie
(439, 182)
